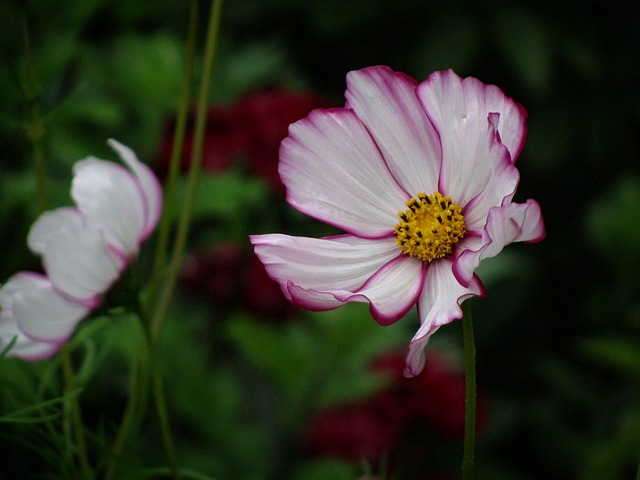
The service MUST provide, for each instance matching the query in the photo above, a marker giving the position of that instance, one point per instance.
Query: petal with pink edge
(387, 104)
(76, 257)
(334, 172)
(444, 94)
(392, 290)
(475, 165)
(515, 222)
(39, 311)
(111, 199)
(311, 299)
(151, 189)
(438, 304)
(310, 270)
(23, 347)
(494, 188)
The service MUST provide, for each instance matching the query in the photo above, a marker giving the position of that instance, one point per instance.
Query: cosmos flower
(84, 250)
(421, 178)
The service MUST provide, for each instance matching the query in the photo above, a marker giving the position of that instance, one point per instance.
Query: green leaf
(620, 353)
(612, 225)
(286, 353)
(329, 352)
(324, 469)
(231, 198)
(164, 472)
(36, 413)
(526, 44)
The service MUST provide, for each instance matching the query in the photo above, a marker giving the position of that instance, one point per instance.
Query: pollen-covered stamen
(431, 226)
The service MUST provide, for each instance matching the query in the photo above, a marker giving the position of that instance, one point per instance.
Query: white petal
(311, 299)
(514, 222)
(151, 189)
(439, 304)
(38, 310)
(392, 290)
(76, 257)
(334, 172)
(387, 104)
(476, 167)
(447, 96)
(311, 270)
(493, 188)
(512, 126)
(111, 200)
(49, 224)
(23, 346)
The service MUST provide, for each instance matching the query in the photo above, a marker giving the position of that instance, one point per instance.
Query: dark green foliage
(558, 337)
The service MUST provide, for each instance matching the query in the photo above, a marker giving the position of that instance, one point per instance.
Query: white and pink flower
(84, 250)
(421, 178)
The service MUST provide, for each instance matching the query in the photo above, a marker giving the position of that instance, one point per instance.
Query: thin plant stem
(133, 409)
(36, 133)
(194, 171)
(163, 415)
(160, 313)
(470, 395)
(35, 130)
(160, 256)
(74, 411)
(133, 412)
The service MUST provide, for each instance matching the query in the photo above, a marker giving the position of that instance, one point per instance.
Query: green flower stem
(179, 246)
(74, 411)
(133, 413)
(160, 313)
(163, 415)
(160, 257)
(470, 398)
(35, 129)
(36, 133)
(137, 397)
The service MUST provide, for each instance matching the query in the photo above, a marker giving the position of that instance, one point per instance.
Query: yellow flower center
(430, 228)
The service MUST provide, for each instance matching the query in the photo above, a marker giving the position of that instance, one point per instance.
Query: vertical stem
(76, 417)
(194, 171)
(470, 396)
(132, 413)
(160, 313)
(36, 134)
(35, 129)
(176, 153)
(163, 415)
(135, 402)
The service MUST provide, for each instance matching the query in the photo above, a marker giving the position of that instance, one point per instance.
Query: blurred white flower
(84, 250)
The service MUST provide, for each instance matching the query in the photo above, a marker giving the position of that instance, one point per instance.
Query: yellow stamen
(430, 228)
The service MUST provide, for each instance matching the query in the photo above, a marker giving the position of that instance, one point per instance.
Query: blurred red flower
(371, 428)
(248, 131)
(267, 116)
(354, 432)
(229, 275)
(436, 396)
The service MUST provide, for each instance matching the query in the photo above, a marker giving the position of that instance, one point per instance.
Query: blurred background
(260, 390)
